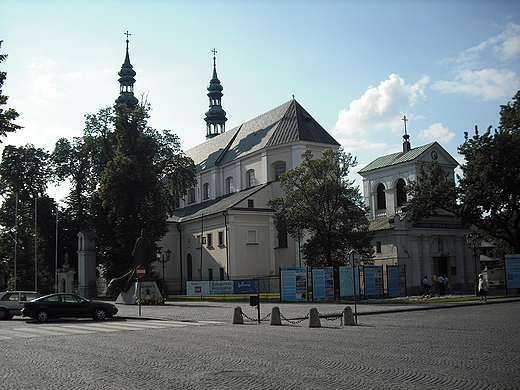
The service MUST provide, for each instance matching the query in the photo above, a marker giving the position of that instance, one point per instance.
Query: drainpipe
(227, 244)
(180, 252)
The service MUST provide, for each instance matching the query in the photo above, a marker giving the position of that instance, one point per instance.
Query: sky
(356, 66)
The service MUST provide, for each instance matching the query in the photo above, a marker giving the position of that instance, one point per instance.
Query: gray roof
(286, 123)
(214, 206)
(396, 158)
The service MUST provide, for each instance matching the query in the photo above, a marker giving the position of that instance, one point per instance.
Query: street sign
(140, 271)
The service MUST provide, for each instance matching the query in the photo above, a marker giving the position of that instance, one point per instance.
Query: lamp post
(473, 240)
(163, 260)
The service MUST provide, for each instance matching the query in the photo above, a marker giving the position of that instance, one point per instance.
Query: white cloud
(487, 84)
(481, 71)
(437, 132)
(379, 107)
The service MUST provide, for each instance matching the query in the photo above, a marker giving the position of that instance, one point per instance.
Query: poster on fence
(346, 281)
(221, 287)
(197, 288)
(246, 287)
(373, 277)
(322, 282)
(396, 279)
(513, 271)
(293, 284)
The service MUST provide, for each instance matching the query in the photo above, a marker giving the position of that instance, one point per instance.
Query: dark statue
(143, 254)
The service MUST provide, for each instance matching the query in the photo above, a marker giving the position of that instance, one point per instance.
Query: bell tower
(215, 116)
(126, 81)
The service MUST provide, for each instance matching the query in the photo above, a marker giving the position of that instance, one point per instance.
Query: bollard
(237, 316)
(314, 318)
(275, 316)
(348, 317)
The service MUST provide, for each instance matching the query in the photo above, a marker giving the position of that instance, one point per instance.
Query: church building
(224, 229)
(434, 246)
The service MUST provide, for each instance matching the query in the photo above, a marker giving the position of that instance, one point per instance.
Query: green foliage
(322, 205)
(24, 174)
(8, 116)
(488, 193)
(433, 189)
(490, 186)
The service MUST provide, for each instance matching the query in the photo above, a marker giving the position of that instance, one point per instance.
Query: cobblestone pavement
(461, 347)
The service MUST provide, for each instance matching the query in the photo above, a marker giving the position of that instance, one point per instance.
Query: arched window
(229, 185)
(401, 192)
(381, 199)
(191, 196)
(279, 169)
(205, 191)
(251, 182)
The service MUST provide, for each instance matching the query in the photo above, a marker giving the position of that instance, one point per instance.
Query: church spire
(406, 138)
(126, 81)
(215, 116)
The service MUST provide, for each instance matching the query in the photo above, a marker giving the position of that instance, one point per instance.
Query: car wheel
(42, 315)
(100, 314)
(5, 314)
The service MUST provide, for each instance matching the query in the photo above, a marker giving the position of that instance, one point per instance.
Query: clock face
(434, 155)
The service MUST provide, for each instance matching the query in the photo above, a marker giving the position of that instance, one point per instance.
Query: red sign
(141, 271)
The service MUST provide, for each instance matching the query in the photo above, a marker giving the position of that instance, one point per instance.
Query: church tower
(215, 116)
(126, 81)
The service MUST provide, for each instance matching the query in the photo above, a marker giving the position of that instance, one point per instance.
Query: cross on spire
(214, 56)
(127, 35)
(405, 120)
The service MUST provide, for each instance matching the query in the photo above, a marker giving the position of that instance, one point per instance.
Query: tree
(7, 117)
(322, 204)
(27, 216)
(132, 192)
(488, 193)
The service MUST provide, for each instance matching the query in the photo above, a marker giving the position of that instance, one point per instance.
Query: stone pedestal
(149, 294)
(87, 264)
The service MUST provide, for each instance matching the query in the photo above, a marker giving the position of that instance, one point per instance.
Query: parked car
(11, 302)
(67, 305)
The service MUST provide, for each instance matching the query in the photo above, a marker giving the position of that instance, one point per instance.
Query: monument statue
(143, 254)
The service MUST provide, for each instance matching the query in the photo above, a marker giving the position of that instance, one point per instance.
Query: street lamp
(473, 240)
(163, 260)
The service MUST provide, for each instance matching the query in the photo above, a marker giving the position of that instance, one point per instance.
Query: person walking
(483, 287)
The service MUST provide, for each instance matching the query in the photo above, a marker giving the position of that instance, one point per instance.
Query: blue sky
(356, 66)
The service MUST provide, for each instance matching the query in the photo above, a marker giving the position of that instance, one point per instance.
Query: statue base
(150, 294)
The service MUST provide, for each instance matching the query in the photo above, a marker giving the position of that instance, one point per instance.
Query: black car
(67, 305)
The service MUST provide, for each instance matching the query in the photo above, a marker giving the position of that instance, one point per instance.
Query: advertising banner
(293, 283)
(322, 282)
(346, 281)
(373, 277)
(513, 271)
(396, 279)
(221, 287)
(246, 287)
(197, 288)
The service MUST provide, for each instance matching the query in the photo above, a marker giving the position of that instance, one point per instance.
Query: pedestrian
(446, 287)
(426, 285)
(483, 287)
(440, 280)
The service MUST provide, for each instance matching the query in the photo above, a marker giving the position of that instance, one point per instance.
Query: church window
(222, 274)
(251, 178)
(251, 237)
(381, 198)
(378, 247)
(401, 192)
(279, 169)
(210, 273)
(220, 238)
(229, 185)
(210, 240)
(191, 196)
(250, 203)
(205, 191)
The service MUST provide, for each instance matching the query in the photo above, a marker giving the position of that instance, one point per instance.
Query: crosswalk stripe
(96, 327)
